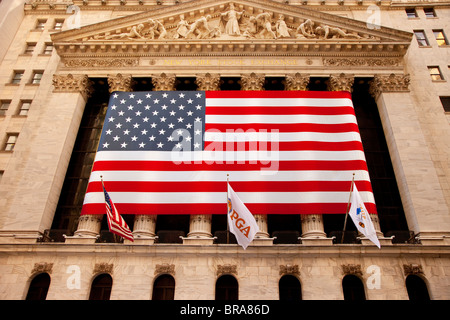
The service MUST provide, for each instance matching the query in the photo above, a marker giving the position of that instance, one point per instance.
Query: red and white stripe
(307, 170)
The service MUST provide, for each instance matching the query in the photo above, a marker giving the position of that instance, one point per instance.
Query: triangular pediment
(234, 26)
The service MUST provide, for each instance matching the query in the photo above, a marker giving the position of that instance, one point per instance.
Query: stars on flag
(161, 120)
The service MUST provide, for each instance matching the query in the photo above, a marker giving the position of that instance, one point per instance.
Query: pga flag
(361, 218)
(240, 220)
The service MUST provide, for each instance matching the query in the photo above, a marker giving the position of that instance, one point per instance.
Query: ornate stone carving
(289, 269)
(163, 82)
(42, 267)
(389, 83)
(208, 82)
(73, 83)
(361, 62)
(165, 268)
(297, 82)
(120, 82)
(354, 269)
(101, 63)
(341, 82)
(229, 21)
(252, 81)
(412, 269)
(103, 268)
(226, 269)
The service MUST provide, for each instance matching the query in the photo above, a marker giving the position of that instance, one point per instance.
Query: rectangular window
(48, 49)
(24, 107)
(40, 24)
(411, 13)
(30, 48)
(445, 103)
(435, 73)
(421, 38)
(440, 38)
(429, 12)
(11, 141)
(4, 105)
(17, 77)
(37, 76)
(58, 24)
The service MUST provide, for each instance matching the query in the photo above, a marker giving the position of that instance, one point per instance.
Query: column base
(316, 241)
(262, 241)
(141, 240)
(433, 238)
(81, 239)
(198, 240)
(384, 241)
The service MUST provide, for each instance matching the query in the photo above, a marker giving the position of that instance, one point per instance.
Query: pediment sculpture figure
(182, 28)
(200, 29)
(229, 21)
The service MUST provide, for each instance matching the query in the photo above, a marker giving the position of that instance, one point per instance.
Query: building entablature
(232, 29)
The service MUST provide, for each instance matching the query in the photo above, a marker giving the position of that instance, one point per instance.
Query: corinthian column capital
(389, 83)
(73, 83)
(297, 81)
(164, 82)
(252, 81)
(120, 82)
(341, 82)
(208, 82)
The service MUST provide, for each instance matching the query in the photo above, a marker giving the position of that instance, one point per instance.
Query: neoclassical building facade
(62, 60)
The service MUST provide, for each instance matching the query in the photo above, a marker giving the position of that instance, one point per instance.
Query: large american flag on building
(286, 152)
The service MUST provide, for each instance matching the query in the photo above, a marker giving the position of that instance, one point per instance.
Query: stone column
(88, 225)
(411, 159)
(312, 224)
(255, 81)
(200, 224)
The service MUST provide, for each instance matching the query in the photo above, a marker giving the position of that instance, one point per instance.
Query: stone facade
(123, 40)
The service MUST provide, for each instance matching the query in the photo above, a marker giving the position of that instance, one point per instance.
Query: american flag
(286, 152)
(116, 223)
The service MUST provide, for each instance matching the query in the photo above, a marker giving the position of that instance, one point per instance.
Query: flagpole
(348, 207)
(114, 235)
(228, 227)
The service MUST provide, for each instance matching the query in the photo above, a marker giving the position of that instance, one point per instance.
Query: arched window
(290, 288)
(353, 288)
(164, 288)
(39, 287)
(417, 288)
(101, 287)
(227, 288)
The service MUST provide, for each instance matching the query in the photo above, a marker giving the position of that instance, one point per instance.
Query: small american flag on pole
(287, 152)
(116, 223)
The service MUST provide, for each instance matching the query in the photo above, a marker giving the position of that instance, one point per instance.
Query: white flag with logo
(240, 220)
(361, 217)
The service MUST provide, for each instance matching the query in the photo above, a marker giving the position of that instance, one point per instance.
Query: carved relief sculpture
(229, 21)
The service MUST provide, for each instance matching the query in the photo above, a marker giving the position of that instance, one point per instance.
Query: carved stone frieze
(73, 83)
(226, 269)
(297, 81)
(42, 267)
(165, 269)
(289, 269)
(252, 81)
(341, 82)
(389, 83)
(164, 82)
(412, 269)
(103, 268)
(101, 63)
(208, 82)
(354, 269)
(361, 62)
(120, 82)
